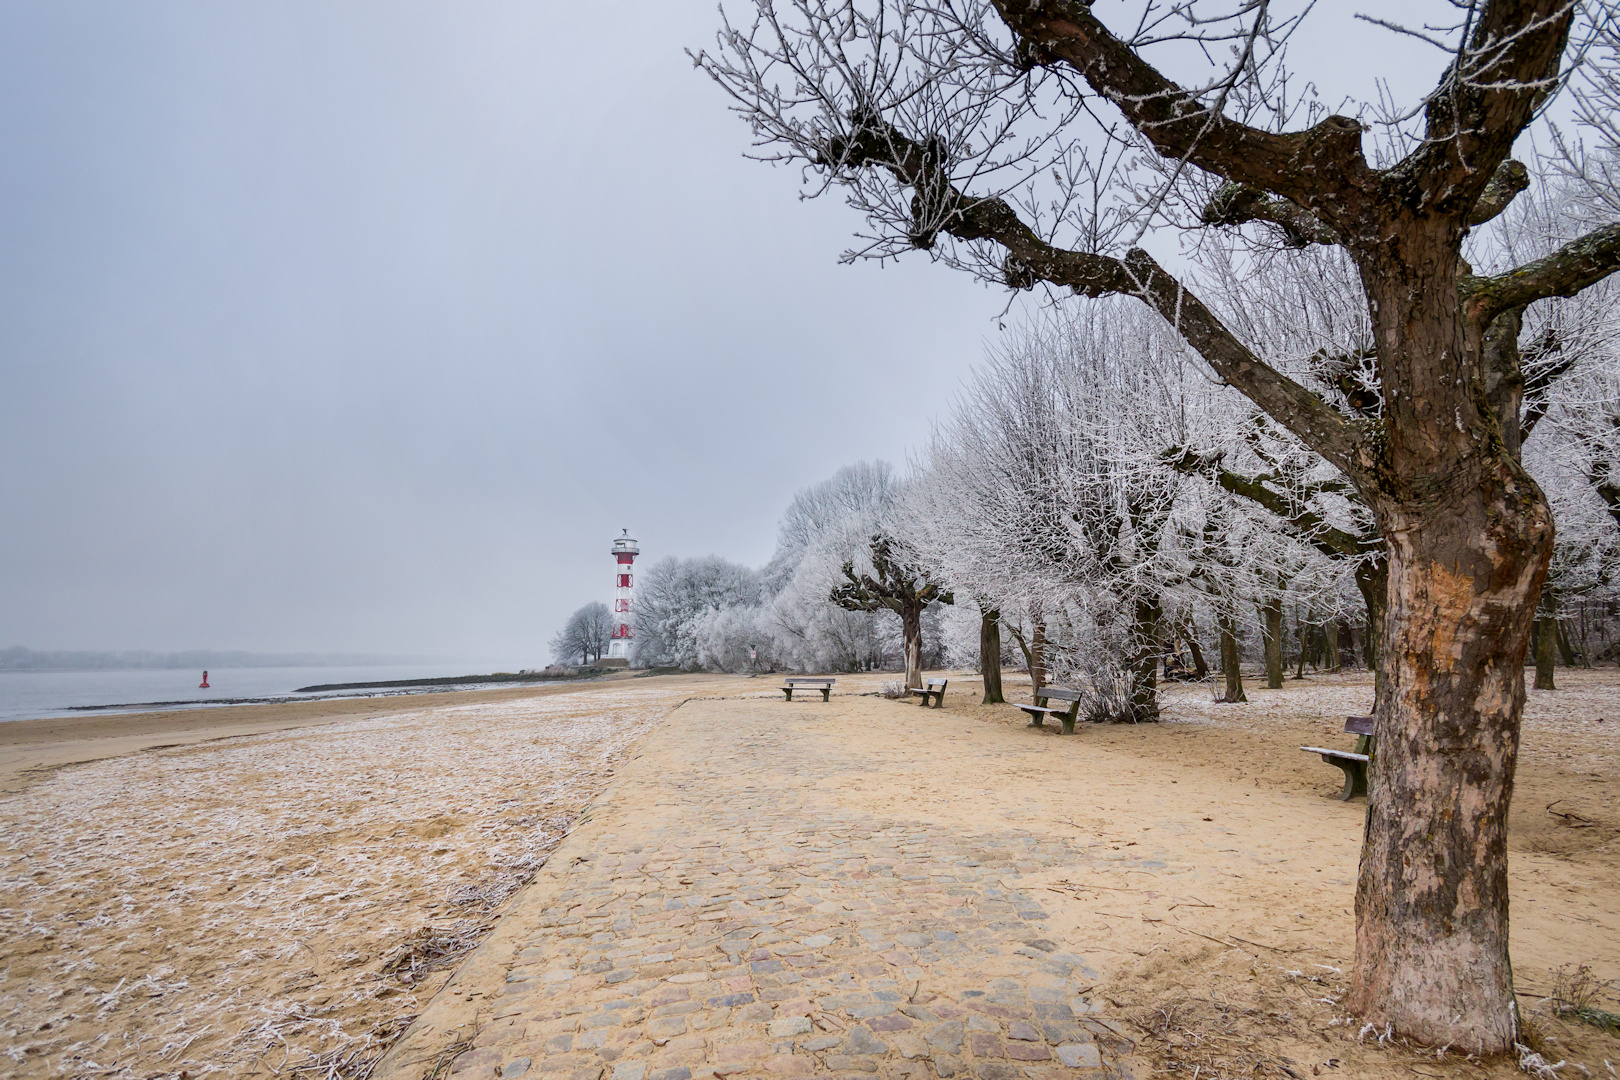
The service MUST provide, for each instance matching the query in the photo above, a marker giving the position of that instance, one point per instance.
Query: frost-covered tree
(897, 580)
(827, 525)
(585, 635)
(1045, 493)
(676, 602)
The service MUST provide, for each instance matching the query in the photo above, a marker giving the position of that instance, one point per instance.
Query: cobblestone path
(722, 911)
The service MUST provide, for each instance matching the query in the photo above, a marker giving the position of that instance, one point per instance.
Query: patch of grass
(1576, 994)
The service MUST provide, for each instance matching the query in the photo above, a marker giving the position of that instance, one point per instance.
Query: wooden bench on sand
(1039, 711)
(1353, 764)
(934, 687)
(824, 685)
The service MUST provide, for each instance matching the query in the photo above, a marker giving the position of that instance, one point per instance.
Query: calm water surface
(26, 695)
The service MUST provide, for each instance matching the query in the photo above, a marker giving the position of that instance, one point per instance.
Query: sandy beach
(270, 890)
(219, 889)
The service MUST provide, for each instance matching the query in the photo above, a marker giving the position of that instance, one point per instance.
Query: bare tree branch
(1320, 167)
(1030, 259)
(1573, 267)
(1503, 71)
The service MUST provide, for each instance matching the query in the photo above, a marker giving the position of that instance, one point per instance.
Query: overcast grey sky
(367, 326)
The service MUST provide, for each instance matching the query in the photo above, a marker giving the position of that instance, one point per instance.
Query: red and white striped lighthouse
(625, 551)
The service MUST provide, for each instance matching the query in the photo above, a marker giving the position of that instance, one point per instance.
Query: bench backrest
(810, 682)
(934, 682)
(1059, 693)
(1359, 725)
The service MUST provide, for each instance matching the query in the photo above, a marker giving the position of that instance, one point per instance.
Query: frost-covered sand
(231, 906)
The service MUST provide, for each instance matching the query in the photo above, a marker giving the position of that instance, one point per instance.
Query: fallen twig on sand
(1206, 937)
(355, 1060)
(1060, 886)
(1569, 820)
(447, 1057)
(1258, 945)
(434, 947)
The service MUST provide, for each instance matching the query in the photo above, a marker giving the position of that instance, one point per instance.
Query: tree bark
(1468, 559)
(1271, 631)
(911, 625)
(1546, 634)
(990, 656)
(1229, 659)
(1200, 666)
(1303, 632)
(1566, 650)
(1037, 654)
(1372, 581)
(1144, 661)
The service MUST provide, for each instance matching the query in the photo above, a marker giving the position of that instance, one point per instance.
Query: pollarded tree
(977, 129)
(897, 581)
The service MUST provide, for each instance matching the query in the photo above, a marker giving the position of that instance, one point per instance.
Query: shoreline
(33, 749)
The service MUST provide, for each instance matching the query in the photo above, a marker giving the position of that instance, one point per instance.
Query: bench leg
(826, 695)
(1355, 779)
(789, 694)
(1037, 720)
(1068, 724)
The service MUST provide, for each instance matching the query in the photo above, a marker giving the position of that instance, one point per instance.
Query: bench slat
(1345, 754)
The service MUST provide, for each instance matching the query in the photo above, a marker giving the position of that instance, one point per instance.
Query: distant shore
(398, 686)
(500, 677)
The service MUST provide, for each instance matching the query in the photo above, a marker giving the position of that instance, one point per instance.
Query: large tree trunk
(1229, 658)
(1144, 662)
(1546, 637)
(1432, 899)
(911, 623)
(1303, 632)
(1037, 654)
(1271, 632)
(1469, 536)
(990, 656)
(1566, 649)
(1372, 581)
(1200, 665)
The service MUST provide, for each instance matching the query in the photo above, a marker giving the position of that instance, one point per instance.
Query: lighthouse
(625, 551)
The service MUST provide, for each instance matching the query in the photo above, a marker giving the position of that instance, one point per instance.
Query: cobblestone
(719, 915)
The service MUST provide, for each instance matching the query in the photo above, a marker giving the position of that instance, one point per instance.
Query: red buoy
(204, 684)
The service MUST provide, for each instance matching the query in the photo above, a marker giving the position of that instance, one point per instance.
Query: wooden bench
(1354, 764)
(824, 685)
(1039, 711)
(930, 687)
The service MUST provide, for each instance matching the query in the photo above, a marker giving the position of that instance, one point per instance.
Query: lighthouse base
(612, 662)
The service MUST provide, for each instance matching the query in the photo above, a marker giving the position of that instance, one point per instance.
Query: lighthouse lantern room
(625, 551)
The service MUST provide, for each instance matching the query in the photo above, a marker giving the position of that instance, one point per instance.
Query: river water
(26, 695)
